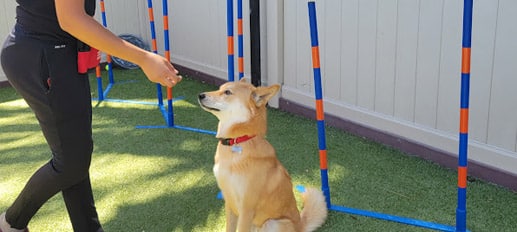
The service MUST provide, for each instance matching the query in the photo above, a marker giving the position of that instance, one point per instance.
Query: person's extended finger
(171, 81)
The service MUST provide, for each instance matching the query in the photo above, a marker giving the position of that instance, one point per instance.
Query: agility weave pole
(168, 114)
(240, 40)
(462, 168)
(103, 93)
(461, 211)
(230, 40)
(320, 116)
(154, 47)
(170, 111)
(229, 30)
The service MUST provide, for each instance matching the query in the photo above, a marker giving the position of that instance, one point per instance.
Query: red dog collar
(233, 141)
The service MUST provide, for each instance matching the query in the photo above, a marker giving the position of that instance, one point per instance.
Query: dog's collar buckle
(233, 141)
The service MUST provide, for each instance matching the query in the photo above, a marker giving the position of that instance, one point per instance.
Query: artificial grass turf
(161, 179)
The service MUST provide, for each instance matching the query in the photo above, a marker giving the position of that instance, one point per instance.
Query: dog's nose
(201, 96)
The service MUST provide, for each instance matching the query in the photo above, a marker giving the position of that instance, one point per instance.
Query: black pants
(45, 75)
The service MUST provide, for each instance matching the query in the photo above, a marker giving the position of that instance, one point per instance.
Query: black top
(37, 19)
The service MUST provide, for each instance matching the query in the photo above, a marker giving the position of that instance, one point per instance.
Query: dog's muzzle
(201, 97)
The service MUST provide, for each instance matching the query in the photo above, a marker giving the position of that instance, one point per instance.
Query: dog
(256, 188)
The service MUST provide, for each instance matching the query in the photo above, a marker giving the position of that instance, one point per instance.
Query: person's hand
(159, 70)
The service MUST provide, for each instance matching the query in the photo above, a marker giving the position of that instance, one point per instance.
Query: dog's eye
(228, 92)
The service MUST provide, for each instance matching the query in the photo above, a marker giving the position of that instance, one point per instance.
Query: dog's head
(237, 102)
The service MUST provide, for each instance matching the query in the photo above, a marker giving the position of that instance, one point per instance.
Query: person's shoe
(5, 227)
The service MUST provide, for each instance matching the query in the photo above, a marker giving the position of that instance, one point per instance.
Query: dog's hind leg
(245, 221)
(231, 220)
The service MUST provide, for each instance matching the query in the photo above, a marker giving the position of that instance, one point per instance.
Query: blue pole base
(394, 218)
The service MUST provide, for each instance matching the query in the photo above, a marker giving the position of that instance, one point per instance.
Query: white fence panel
(7, 20)
(502, 118)
(395, 66)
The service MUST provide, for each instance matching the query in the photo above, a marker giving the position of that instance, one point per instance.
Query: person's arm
(73, 19)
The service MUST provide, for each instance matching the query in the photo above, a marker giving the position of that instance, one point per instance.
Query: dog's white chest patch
(232, 184)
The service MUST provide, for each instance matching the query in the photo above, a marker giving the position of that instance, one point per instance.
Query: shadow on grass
(170, 212)
(8, 94)
(187, 150)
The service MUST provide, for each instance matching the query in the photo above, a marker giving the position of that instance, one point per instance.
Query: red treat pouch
(87, 57)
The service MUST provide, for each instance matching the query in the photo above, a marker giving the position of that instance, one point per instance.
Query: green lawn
(161, 179)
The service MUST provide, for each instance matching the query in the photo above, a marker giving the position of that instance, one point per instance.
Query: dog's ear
(261, 95)
(245, 80)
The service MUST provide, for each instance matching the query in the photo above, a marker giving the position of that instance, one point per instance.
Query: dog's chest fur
(241, 174)
(229, 171)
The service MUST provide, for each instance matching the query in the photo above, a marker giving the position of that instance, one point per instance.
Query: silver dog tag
(237, 149)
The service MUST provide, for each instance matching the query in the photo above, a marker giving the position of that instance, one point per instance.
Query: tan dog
(257, 189)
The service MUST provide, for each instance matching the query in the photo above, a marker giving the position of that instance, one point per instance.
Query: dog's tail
(314, 210)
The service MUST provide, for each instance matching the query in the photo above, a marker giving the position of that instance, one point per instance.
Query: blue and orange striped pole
(98, 72)
(154, 47)
(99, 82)
(320, 116)
(170, 113)
(229, 29)
(108, 57)
(240, 40)
(461, 210)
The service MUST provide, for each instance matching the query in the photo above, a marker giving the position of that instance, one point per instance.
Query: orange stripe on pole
(169, 93)
(154, 44)
(230, 45)
(319, 110)
(323, 159)
(108, 58)
(166, 22)
(102, 6)
(315, 57)
(241, 64)
(98, 71)
(239, 27)
(151, 14)
(462, 177)
(464, 120)
(465, 60)
(168, 55)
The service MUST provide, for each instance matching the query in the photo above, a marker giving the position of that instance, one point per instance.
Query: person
(40, 60)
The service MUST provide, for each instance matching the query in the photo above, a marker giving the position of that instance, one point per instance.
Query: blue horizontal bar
(126, 101)
(192, 129)
(388, 217)
(153, 127)
(135, 102)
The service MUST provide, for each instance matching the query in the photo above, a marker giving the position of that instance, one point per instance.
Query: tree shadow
(8, 94)
(170, 212)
